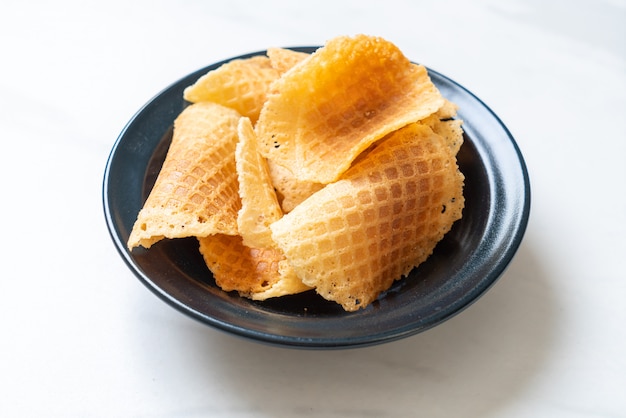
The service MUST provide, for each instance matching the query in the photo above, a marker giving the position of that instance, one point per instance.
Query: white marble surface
(81, 337)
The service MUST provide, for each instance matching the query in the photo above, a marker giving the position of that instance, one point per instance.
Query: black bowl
(465, 264)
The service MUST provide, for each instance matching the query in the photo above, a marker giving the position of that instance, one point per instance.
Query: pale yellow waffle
(196, 191)
(382, 218)
(283, 59)
(443, 123)
(325, 111)
(259, 205)
(240, 84)
(289, 190)
(257, 274)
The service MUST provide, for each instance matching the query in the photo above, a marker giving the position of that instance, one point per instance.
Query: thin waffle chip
(196, 191)
(283, 59)
(257, 274)
(259, 205)
(443, 123)
(324, 112)
(385, 215)
(289, 190)
(240, 84)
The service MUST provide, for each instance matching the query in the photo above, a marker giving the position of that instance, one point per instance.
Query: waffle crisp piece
(383, 217)
(196, 191)
(241, 84)
(444, 123)
(322, 113)
(289, 189)
(248, 262)
(259, 205)
(255, 273)
(283, 59)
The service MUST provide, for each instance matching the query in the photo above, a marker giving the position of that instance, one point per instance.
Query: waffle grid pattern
(352, 239)
(196, 192)
(241, 84)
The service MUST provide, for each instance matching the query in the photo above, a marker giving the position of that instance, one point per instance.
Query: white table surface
(82, 337)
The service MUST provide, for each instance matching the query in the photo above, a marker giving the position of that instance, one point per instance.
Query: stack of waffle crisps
(334, 171)
(383, 217)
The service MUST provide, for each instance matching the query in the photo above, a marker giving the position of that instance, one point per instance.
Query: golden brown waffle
(196, 192)
(240, 84)
(382, 218)
(325, 111)
(258, 274)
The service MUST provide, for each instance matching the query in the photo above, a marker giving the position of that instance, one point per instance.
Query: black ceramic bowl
(464, 265)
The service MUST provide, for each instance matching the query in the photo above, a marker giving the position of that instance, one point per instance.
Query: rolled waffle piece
(383, 217)
(240, 84)
(254, 273)
(259, 205)
(320, 115)
(196, 191)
